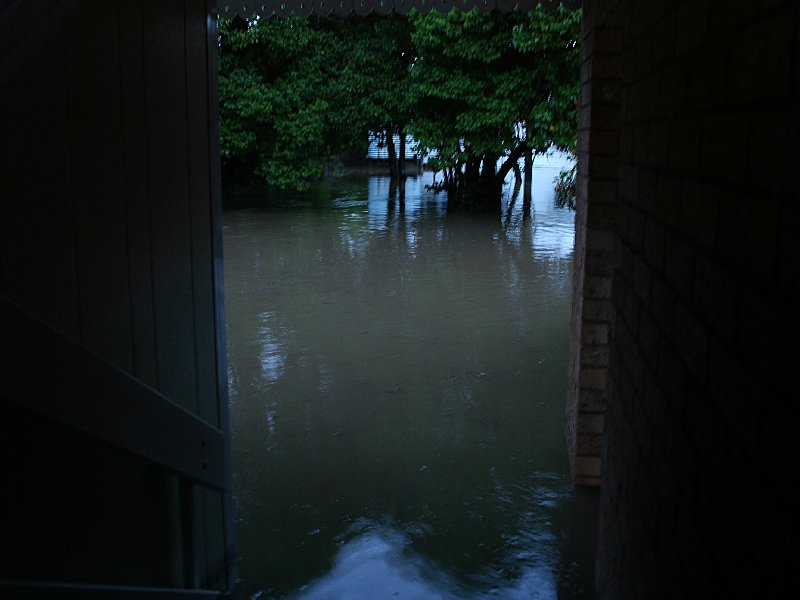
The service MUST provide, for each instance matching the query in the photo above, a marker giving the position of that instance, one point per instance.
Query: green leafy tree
(489, 88)
(295, 92)
(275, 106)
(476, 88)
(374, 82)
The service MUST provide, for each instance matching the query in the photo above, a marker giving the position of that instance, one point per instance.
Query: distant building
(378, 150)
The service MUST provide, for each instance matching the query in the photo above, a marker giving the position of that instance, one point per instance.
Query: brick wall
(598, 144)
(699, 459)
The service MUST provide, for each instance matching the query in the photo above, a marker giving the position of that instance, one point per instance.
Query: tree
(480, 89)
(374, 82)
(295, 92)
(276, 111)
(490, 87)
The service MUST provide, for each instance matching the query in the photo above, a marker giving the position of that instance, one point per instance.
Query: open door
(115, 451)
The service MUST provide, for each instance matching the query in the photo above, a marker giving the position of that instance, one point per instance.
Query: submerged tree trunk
(472, 172)
(528, 171)
(401, 163)
(510, 161)
(517, 180)
(392, 156)
(392, 152)
(515, 193)
(489, 165)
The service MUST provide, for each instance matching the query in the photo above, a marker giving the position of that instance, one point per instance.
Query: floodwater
(397, 380)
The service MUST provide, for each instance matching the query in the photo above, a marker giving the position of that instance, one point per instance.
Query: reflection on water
(397, 378)
(380, 562)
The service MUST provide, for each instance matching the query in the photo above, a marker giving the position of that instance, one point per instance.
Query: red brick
(595, 334)
(715, 295)
(597, 310)
(594, 378)
(708, 149)
(761, 61)
(679, 265)
(642, 278)
(734, 393)
(602, 166)
(595, 401)
(627, 305)
(672, 375)
(692, 30)
(600, 240)
(748, 234)
(641, 56)
(604, 142)
(654, 245)
(586, 100)
(663, 48)
(585, 73)
(682, 458)
(726, 15)
(684, 155)
(762, 331)
(671, 95)
(631, 225)
(698, 212)
(589, 445)
(603, 117)
(722, 151)
(607, 92)
(628, 181)
(608, 40)
(588, 466)
(658, 411)
(647, 191)
(691, 340)
(773, 172)
(587, 481)
(708, 432)
(648, 336)
(663, 305)
(667, 203)
(603, 191)
(597, 287)
(707, 79)
(590, 423)
(657, 137)
(599, 262)
(604, 66)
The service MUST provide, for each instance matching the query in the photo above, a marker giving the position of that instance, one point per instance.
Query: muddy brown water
(397, 376)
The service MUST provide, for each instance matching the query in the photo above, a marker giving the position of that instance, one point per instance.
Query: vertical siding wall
(106, 209)
(107, 234)
(699, 462)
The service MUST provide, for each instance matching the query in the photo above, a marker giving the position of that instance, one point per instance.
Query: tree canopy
(491, 86)
(476, 89)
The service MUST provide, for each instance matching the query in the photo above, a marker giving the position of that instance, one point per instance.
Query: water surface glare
(397, 377)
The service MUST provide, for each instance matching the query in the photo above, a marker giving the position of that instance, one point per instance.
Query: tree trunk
(472, 171)
(392, 154)
(517, 186)
(489, 174)
(517, 176)
(401, 164)
(528, 171)
(489, 166)
(526, 207)
(511, 161)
